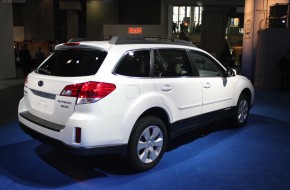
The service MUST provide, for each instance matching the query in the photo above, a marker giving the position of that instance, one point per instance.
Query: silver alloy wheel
(150, 144)
(243, 111)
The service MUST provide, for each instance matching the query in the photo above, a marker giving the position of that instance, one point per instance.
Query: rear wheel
(147, 143)
(241, 111)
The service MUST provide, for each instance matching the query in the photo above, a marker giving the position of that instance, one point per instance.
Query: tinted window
(73, 62)
(206, 66)
(135, 64)
(171, 63)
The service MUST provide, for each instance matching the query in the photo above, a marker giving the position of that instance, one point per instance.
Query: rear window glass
(72, 62)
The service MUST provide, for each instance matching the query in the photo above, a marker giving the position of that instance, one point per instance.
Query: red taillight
(71, 90)
(88, 92)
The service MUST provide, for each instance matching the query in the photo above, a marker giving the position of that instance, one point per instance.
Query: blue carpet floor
(217, 157)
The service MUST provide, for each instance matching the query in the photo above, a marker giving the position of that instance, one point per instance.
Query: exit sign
(135, 30)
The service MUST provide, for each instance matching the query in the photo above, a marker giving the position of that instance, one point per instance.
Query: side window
(206, 66)
(135, 64)
(171, 63)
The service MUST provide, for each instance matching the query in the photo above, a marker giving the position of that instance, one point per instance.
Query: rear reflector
(78, 134)
(88, 92)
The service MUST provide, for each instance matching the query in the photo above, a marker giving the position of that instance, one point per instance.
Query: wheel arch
(143, 144)
(243, 86)
(159, 113)
(247, 91)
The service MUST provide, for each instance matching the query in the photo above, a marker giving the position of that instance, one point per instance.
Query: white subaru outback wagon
(129, 96)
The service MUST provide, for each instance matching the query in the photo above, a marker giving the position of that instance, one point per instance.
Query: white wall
(7, 63)
(256, 13)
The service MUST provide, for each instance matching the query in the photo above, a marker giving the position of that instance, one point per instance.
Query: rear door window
(135, 64)
(171, 63)
(73, 62)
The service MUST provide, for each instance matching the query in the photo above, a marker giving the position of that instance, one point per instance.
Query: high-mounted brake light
(72, 44)
(88, 92)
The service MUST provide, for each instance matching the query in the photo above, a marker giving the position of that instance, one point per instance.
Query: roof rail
(140, 39)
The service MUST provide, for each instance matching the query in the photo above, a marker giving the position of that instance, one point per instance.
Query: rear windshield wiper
(45, 71)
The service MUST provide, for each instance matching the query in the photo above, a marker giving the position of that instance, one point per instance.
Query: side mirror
(231, 72)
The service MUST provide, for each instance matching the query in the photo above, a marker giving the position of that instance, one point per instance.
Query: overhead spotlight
(199, 3)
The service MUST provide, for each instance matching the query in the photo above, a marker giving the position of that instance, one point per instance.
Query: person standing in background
(25, 58)
(39, 57)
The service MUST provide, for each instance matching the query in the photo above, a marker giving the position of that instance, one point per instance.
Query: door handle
(207, 85)
(166, 88)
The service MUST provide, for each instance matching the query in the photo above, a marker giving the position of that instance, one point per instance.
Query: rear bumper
(83, 151)
(41, 122)
(100, 134)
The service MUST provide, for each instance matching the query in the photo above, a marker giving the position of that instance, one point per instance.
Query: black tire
(241, 112)
(149, 133)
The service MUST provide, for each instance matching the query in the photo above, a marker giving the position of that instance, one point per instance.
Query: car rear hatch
(44, 92)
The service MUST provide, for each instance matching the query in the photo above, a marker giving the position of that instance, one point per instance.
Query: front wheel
(147, 143)
(241, 111)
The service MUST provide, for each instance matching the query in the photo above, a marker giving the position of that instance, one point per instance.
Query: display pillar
(7, 61)
(255, 19)
(214, 21)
